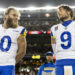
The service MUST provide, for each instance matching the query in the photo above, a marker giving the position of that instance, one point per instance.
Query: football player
(12, 42)
(63, 41)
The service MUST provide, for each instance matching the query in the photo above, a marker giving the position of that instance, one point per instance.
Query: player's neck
(4, 25)
(48, 61)
(68, 19)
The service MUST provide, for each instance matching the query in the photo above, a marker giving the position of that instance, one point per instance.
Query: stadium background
(37, 17)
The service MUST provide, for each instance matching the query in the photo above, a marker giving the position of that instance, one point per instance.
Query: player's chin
(60, 17)
(15, 25)
(15, 21)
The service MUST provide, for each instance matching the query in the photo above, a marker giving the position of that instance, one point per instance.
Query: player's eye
(15, 15)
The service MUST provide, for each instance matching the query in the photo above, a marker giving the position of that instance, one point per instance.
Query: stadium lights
(41, 8)
(32, 8)
(29, 15)
(47, 15)
(49, 7)
(28, 8)
(72, 6)
(2, 9)
(36, 8)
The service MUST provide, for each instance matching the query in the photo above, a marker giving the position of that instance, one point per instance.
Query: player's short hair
(67, 8)
(8, 10)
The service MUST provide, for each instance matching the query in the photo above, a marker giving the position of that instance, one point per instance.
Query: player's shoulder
(1, 25)
(53, 64)
(54, 27)
(42, 66)
(20, 27)
(73, 21)
(22, 30)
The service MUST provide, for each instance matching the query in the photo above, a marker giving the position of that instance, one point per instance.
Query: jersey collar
(66, 23)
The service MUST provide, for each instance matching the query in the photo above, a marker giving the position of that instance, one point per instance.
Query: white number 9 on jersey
(66, 40)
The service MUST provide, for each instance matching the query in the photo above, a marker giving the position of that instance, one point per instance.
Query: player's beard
(11, 24)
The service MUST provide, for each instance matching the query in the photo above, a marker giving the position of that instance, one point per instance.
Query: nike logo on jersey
(56, 28)
(15, 31)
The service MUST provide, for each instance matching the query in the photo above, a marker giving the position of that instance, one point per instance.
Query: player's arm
(21, 48)
(40, 71)
(53, 41)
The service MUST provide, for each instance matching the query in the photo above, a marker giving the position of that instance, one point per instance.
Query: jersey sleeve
(52, 32)
(40, 70)
(23, 31)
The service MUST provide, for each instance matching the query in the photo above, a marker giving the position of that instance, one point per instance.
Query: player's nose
(16, 18)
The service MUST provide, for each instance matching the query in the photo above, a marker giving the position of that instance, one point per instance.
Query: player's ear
(5, 16)
(69, 12)
(57, 13)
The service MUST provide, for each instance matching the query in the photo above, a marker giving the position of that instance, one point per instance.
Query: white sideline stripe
(68, 70)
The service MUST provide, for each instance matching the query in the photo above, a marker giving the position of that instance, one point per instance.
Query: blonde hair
(8, 10)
